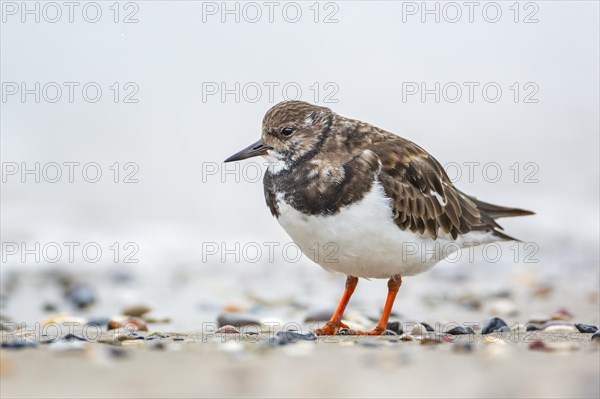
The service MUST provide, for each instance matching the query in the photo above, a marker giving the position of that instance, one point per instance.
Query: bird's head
(291, 131)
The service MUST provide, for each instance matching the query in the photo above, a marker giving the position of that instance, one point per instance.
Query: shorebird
(386, 206)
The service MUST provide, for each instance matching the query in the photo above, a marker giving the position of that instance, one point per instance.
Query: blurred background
(116, 117)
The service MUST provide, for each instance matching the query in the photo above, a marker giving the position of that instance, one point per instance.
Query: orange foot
(331, 328)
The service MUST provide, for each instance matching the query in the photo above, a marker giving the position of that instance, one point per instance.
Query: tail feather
(496, 211)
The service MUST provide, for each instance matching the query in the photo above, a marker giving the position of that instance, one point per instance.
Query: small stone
(81, 295)
(406, 337)
(73, 337)
(18, 344)
(64, 318)
(419, 330)
(460, 330)
(427, 327)
(532, 327)
(492, 325)
(117, 353)
(395, 326)
(235, 308)
(290, 337)
(237, 320)
(537, 319)
(155, 336)
(504, 307)
(50, 307)
(228, 330)
(129, 324)
(504, 329)
(596, 337)
(319, 315)
(490, 339)
(136, 311)
(560, 328)
(156, 318)
(561, 314)
(539, 345)
(462, 347)
(586, 328)
(431, 341)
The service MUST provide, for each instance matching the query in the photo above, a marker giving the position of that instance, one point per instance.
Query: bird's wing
(424, 200)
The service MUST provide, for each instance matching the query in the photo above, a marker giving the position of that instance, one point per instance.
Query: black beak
(253, 150)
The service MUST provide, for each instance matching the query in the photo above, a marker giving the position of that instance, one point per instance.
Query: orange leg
(334, 324)
(394, 284)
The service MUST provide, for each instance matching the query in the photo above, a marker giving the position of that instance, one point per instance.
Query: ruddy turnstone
(386, 206)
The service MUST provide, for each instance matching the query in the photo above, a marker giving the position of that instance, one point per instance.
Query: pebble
(406, 337)
(156, 335)
(537, 319)
(136, 311)
(64, 318)
(18, 344)
(462, 347)
(490, 339)
(419, 330)
(560, 328)
(81, 295)
(72, 337)
(586, 328)
(460, 330)
(504, 307)
(504, 329)
(596, 337)
(156, 318)
(567, 346)
(129, 324)
(237, 320)
(431, 340)
(427, 327)
(561, 314)
(532, 327)
(228, 330)
(492, 325)
(395, 326)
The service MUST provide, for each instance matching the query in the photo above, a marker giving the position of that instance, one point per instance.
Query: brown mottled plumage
(334, 160)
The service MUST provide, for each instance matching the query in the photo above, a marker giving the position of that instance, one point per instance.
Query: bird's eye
(287, 131)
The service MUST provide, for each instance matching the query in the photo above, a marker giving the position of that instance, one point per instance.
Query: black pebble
(427, 327)
(18, 345)
(462, 347)
(81, 295)
(586, 328)
(395, 326)
(492, 325)
(460, 331)
(292, 336)
(72, 337)
(532, 327)
(596, 336)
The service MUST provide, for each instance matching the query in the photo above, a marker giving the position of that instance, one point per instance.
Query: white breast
(362, 240)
